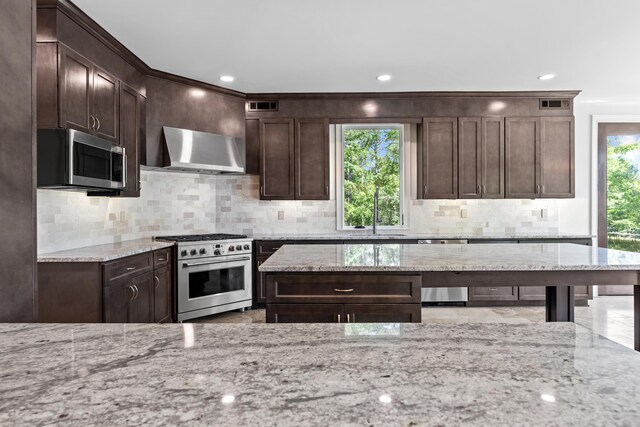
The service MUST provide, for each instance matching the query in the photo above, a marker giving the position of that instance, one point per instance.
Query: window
(371, 158)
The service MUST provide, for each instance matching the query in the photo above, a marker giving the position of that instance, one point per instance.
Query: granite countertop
(103, 253)
(478, 257)
(366, 235)
(315, 374)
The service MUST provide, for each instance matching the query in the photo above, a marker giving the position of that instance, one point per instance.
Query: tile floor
(611, 317)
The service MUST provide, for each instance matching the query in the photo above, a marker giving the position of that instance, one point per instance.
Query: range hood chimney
(192, 151)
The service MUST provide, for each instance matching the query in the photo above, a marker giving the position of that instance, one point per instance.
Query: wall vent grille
(263, 105)
(555, 104)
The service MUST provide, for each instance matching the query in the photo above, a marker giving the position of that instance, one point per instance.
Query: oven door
(210, 282)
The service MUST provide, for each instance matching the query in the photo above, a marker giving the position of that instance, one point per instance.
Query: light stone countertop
(103, 253)
(366, 235)
(478, 257)
(315, 374)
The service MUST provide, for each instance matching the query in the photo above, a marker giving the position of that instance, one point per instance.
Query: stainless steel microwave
(72, 160)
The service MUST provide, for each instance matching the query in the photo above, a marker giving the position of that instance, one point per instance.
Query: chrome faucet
(375, 210)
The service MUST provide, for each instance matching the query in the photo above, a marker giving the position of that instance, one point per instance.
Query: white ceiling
(426, 45)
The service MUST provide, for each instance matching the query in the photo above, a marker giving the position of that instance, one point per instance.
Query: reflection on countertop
(478, 257)
(407, 235)
(400, 374)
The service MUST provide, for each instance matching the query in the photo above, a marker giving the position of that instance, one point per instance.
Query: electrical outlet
(280, 215)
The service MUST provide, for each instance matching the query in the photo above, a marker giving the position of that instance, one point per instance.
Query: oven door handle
(226, 261)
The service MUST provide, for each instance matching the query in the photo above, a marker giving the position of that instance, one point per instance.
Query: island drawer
(128, 267)
(343, 288)
(497, 293)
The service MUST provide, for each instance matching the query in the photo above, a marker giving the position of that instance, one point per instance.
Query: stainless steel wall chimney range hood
(192, 151)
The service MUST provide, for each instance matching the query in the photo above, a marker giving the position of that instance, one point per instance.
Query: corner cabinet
(74, 93)
(294, 158)
(134, 289)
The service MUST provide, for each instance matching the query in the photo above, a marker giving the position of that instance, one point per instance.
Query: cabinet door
(492, 158)
(469, 158)
(305, 313)
(129, 300)
(141, 306)
(440, 158)
(105, 105)
(76, 83)
(499, 293)
(522, 143)
(162, 295)
(252, 146)
(312, 159)
(277, 159)
(261, 283)
(532, 293)
(557, 177)
(383, 313)
(130, 132)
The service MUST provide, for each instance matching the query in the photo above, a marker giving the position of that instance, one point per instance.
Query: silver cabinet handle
(353, 319)
(326, 190)
(130, 268)
(478, 189)
(424, 193)
(160, 259)
(133, 293)
(93, 122)
(338, 318)
(484, 189)
(344, 290)
(493, 289)
(98, 120)
(542, 189)
(348, 318)
(137, 291)
(157, 281)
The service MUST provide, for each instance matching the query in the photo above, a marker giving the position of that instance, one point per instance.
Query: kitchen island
(311, 283)
(330, 374)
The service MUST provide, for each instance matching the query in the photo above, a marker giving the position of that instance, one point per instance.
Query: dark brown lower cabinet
(343, 298)
(538, 293)
(134, 289)
(130, 300)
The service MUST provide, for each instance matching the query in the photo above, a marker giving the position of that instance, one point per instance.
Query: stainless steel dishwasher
(444, 295)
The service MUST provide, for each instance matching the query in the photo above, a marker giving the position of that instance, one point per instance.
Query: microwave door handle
(226, 261)
(124, 170)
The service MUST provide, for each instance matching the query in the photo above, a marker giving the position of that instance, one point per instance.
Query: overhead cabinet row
(494, 157)
(74, 93)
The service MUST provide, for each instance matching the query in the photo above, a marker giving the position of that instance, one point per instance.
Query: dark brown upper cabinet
(480, 157)
(557, 169)
(522, 153)
(312, 159)
(294, 159)
(277, 159)
(252, 146)
(439, 159)
(132, 123)
(74, 93)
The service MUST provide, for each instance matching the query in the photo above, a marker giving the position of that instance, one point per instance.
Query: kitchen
(505, 166)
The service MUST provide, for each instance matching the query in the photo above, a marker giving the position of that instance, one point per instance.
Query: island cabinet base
(343, 298)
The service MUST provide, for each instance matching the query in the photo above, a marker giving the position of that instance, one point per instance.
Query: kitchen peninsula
(370, 283)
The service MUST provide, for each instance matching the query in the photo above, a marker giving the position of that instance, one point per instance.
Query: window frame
(339, 173)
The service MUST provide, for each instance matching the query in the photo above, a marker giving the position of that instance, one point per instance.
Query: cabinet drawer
(268, 248)
(128, 267)
(343, 288)
(382, 313)
(304, 313)
(499, 293)
(161, 257)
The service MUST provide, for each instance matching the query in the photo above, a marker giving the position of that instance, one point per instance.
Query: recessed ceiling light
(546, 77)
(384, 77)
(227, 79)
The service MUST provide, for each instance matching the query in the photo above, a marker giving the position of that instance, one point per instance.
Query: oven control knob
(183, 252)
(231, 248)
(193, 252)
(246, 247)
(217, 252)
(203, 251)
(239, 247)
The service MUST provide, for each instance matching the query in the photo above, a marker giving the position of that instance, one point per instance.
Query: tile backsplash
(172, 203)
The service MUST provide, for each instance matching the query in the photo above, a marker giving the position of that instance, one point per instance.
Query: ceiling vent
(263, 105)
(555, 104)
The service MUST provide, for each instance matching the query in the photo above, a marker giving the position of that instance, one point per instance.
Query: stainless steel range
(214, 273)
